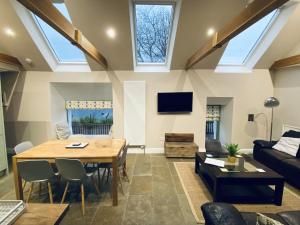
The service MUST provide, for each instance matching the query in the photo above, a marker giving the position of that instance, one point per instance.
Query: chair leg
(95, 185)
(98, 174)
(24, 185)
(108, 173)
(40, 188)
(65, 193)
(50, 193)
(121, 185)
(103, 175)
(30, 191)
(82, 199)
(125, 173)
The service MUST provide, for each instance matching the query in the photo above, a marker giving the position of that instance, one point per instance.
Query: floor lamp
(271, 102)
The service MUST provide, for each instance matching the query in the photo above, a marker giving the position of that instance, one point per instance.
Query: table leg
(216, 192)
(115, 181)
(278, 193)
(18, 181)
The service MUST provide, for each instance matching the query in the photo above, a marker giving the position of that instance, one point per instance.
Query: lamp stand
(271, 130)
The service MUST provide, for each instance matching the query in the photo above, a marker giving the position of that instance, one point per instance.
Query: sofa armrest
(221, 213)
(264, 144)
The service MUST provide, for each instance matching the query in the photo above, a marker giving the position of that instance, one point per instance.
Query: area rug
(198, 194)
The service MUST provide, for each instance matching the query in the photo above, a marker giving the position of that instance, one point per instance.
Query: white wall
(287, 90)
(31, 114)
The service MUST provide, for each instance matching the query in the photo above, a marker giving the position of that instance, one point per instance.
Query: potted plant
(232, 152)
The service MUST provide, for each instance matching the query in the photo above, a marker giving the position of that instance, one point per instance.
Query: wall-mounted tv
(175, 102)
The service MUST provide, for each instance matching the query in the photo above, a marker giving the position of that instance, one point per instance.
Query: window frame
(251, 58)
(154, 67)
(50, 55)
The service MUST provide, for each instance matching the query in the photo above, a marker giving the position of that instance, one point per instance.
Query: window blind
(213, 113)
(88, 104)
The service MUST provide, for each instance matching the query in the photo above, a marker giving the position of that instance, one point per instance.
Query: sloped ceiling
(21, 45)
(93, 17)
(196, 17)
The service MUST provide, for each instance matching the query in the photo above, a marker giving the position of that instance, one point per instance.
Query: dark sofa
(284, 164)
(226, 214)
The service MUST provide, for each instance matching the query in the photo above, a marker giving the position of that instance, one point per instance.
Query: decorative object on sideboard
(271, 102)
(232, 152)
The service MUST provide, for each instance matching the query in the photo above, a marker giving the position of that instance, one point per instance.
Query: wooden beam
(10, 60)
(289, 61)
(47, 12)
(250, 15)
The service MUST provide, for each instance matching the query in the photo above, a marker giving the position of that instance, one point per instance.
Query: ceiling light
(210, 31)
(9, 32)
(28, 60)
(111, 33)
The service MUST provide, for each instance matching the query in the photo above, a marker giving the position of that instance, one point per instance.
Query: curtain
(88, 105)
(213, 113)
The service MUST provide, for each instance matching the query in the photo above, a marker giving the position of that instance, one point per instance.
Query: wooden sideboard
(180, 145)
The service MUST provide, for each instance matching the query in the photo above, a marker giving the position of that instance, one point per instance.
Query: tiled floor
(153, 196)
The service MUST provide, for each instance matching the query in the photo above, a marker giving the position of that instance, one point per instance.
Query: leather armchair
(226, 214)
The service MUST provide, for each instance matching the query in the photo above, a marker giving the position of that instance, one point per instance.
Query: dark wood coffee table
(241, 183)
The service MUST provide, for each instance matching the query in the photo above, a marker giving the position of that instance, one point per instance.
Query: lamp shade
(271, 102)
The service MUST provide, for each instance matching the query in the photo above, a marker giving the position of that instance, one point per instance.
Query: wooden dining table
(97, 151)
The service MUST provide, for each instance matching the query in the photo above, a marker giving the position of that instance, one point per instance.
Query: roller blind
(88, 104)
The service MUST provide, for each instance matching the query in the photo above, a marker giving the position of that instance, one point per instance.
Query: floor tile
(141, 185)
(139, 210)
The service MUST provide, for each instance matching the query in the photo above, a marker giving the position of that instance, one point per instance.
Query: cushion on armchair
(221, 213)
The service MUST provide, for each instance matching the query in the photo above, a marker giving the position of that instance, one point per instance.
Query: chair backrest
(70, 169)
(23, 146)
(62, 131)
(123, 156)
(214, 146)
(35, 170)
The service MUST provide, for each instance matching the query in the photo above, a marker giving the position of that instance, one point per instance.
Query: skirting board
(161, 151)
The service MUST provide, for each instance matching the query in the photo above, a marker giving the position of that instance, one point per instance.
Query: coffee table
(240, 182)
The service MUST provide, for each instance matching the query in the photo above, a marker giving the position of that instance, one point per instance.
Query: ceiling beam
(254, 12)
(47, 12)
(289, 61)
(7, 59)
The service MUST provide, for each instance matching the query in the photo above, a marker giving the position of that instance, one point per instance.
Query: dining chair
(23, 146)
(72, 170)
(37, 171)
(121, 166)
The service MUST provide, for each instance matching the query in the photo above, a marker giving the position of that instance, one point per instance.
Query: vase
(231, 159)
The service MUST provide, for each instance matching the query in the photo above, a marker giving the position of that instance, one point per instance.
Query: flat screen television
(175, 102)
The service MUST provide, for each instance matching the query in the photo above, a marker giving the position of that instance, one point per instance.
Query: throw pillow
(288, 145)
(264, 220)
(293, 134)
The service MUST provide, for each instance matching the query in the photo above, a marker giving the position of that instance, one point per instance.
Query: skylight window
(64, 51)
(240, 47)
(153, 27)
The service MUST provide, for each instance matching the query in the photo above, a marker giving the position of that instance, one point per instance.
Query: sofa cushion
(292, 134)
(272, 158)
(291, 217)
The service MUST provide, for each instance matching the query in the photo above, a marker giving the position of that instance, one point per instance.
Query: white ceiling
(93, 17)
